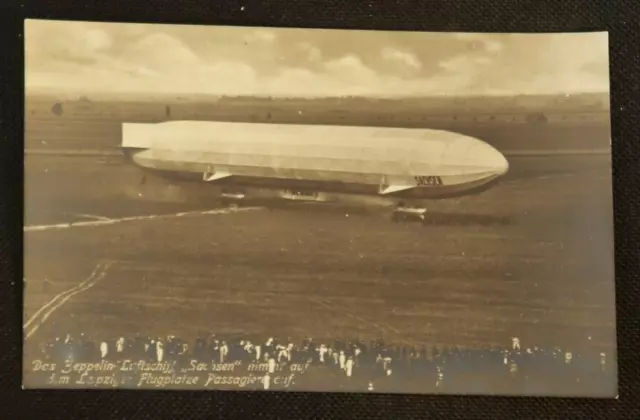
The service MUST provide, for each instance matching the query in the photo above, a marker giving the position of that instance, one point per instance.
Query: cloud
(161, 53)
(83, 56)
(493, 46)
(260, 36)
(406, 58)
(350, 69)
(313, 54)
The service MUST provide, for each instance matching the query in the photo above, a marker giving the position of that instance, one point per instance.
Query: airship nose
(500, 163)
(488, 158)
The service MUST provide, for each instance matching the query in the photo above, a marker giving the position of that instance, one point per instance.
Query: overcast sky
(84, 57)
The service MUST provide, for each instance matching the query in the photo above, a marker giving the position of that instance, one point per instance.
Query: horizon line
(42, 90)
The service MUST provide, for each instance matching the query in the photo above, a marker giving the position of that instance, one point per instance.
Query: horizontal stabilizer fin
(388, 189)
(214, 176)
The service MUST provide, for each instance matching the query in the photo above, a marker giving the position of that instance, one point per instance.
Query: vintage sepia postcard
(235, 208)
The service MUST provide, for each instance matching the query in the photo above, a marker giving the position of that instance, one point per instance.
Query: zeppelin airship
(400, 168)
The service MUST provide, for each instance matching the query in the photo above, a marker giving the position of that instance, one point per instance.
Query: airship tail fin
(136, 135)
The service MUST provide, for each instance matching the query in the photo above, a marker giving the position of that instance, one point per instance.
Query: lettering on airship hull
(427, 181)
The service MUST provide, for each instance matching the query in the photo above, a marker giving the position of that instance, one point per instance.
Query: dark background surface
(620, 18)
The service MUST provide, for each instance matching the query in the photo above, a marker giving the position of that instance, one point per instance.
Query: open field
(531, 258)
(544, 274)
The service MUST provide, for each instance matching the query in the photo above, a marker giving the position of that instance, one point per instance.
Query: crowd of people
(358, 366)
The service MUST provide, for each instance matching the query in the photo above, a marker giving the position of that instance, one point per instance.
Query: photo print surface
(278, 209)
